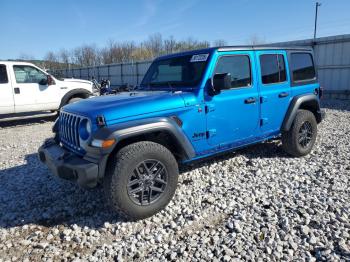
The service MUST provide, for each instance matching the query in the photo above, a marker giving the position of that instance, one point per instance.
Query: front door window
(28, 75)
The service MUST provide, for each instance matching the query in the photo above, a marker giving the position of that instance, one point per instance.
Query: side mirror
(43, 82)
(221, 81)
(50, 80)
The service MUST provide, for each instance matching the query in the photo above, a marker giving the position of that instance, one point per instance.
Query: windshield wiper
(169, 84)
(171, 87)
(146, 86)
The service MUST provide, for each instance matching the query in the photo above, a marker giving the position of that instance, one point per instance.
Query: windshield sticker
(199, 58)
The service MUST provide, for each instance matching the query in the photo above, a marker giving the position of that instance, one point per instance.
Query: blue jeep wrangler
(189, 106)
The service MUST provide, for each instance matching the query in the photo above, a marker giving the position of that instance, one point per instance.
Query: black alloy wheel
(140, 179)
(147, 182)
(305, 134)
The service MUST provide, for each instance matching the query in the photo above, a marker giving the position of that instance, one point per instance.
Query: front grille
(69, 131)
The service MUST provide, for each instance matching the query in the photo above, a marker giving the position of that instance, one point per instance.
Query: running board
(14, 117)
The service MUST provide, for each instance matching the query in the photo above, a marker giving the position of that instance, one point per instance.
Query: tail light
(320, 93)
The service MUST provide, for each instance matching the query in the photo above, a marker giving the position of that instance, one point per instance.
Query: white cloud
(149, 11)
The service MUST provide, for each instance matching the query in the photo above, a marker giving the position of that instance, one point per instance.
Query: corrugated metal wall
(118, 74)
(332, 56)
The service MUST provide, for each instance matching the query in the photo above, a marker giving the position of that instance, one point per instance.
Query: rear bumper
(67, 165)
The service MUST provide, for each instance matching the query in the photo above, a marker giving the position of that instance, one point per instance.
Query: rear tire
(301, 137)
(141, 180)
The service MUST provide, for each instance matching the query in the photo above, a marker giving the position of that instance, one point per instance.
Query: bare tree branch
(127, 51)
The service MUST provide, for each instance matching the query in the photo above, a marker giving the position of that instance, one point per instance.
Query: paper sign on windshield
(199, 58)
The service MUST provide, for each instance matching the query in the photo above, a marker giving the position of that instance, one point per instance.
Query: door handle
(250, 100)
(17, 90)
(283, 94)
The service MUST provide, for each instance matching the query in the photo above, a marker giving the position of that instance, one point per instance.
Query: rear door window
(302, 66)
(3, 75)
(273, 69)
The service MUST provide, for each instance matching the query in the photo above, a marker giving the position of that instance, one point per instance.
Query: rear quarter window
(302, 67)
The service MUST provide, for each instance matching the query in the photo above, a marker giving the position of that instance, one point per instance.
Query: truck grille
(69, 131)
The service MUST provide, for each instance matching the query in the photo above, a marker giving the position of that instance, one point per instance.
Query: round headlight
(85, 129)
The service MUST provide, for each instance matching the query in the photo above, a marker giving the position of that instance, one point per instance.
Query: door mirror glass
(50, 80)
(43, 81)
(221, 81)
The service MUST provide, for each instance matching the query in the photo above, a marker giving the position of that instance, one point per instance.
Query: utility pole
(316, 12)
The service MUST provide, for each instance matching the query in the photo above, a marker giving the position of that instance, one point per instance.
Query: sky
(32, 28)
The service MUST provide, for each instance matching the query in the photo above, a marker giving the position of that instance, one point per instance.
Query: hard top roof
(236, 48)
(262, 47)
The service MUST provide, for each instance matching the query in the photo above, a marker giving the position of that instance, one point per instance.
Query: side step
(25, 116)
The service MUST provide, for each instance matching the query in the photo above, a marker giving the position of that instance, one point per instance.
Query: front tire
(74, 100)
(141, 179)
(301, 137)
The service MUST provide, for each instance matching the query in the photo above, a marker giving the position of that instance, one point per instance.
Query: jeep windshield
(175, 72)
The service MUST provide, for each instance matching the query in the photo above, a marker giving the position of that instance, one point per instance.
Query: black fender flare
(79, 91)
(135, 128)
(298, 102)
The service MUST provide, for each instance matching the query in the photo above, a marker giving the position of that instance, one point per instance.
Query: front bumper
(67, 165)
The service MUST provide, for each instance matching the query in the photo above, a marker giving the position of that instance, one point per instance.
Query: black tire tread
(71, 100)
(288, 138)
(114, 168)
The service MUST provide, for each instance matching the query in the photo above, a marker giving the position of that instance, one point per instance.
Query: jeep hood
(116, 108)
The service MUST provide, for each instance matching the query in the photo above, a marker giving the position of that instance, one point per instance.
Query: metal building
(332, 58)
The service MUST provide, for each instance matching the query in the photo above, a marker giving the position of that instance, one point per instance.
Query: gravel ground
(255, 204)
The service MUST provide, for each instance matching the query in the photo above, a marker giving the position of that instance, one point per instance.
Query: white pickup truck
(25, 88)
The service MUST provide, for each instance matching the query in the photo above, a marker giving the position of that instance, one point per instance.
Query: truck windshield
(181, 71)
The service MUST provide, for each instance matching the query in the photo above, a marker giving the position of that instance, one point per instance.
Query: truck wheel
(141, 179)
(74, 100)
(301, 137)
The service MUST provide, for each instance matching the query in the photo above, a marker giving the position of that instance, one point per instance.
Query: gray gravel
(256, 204)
